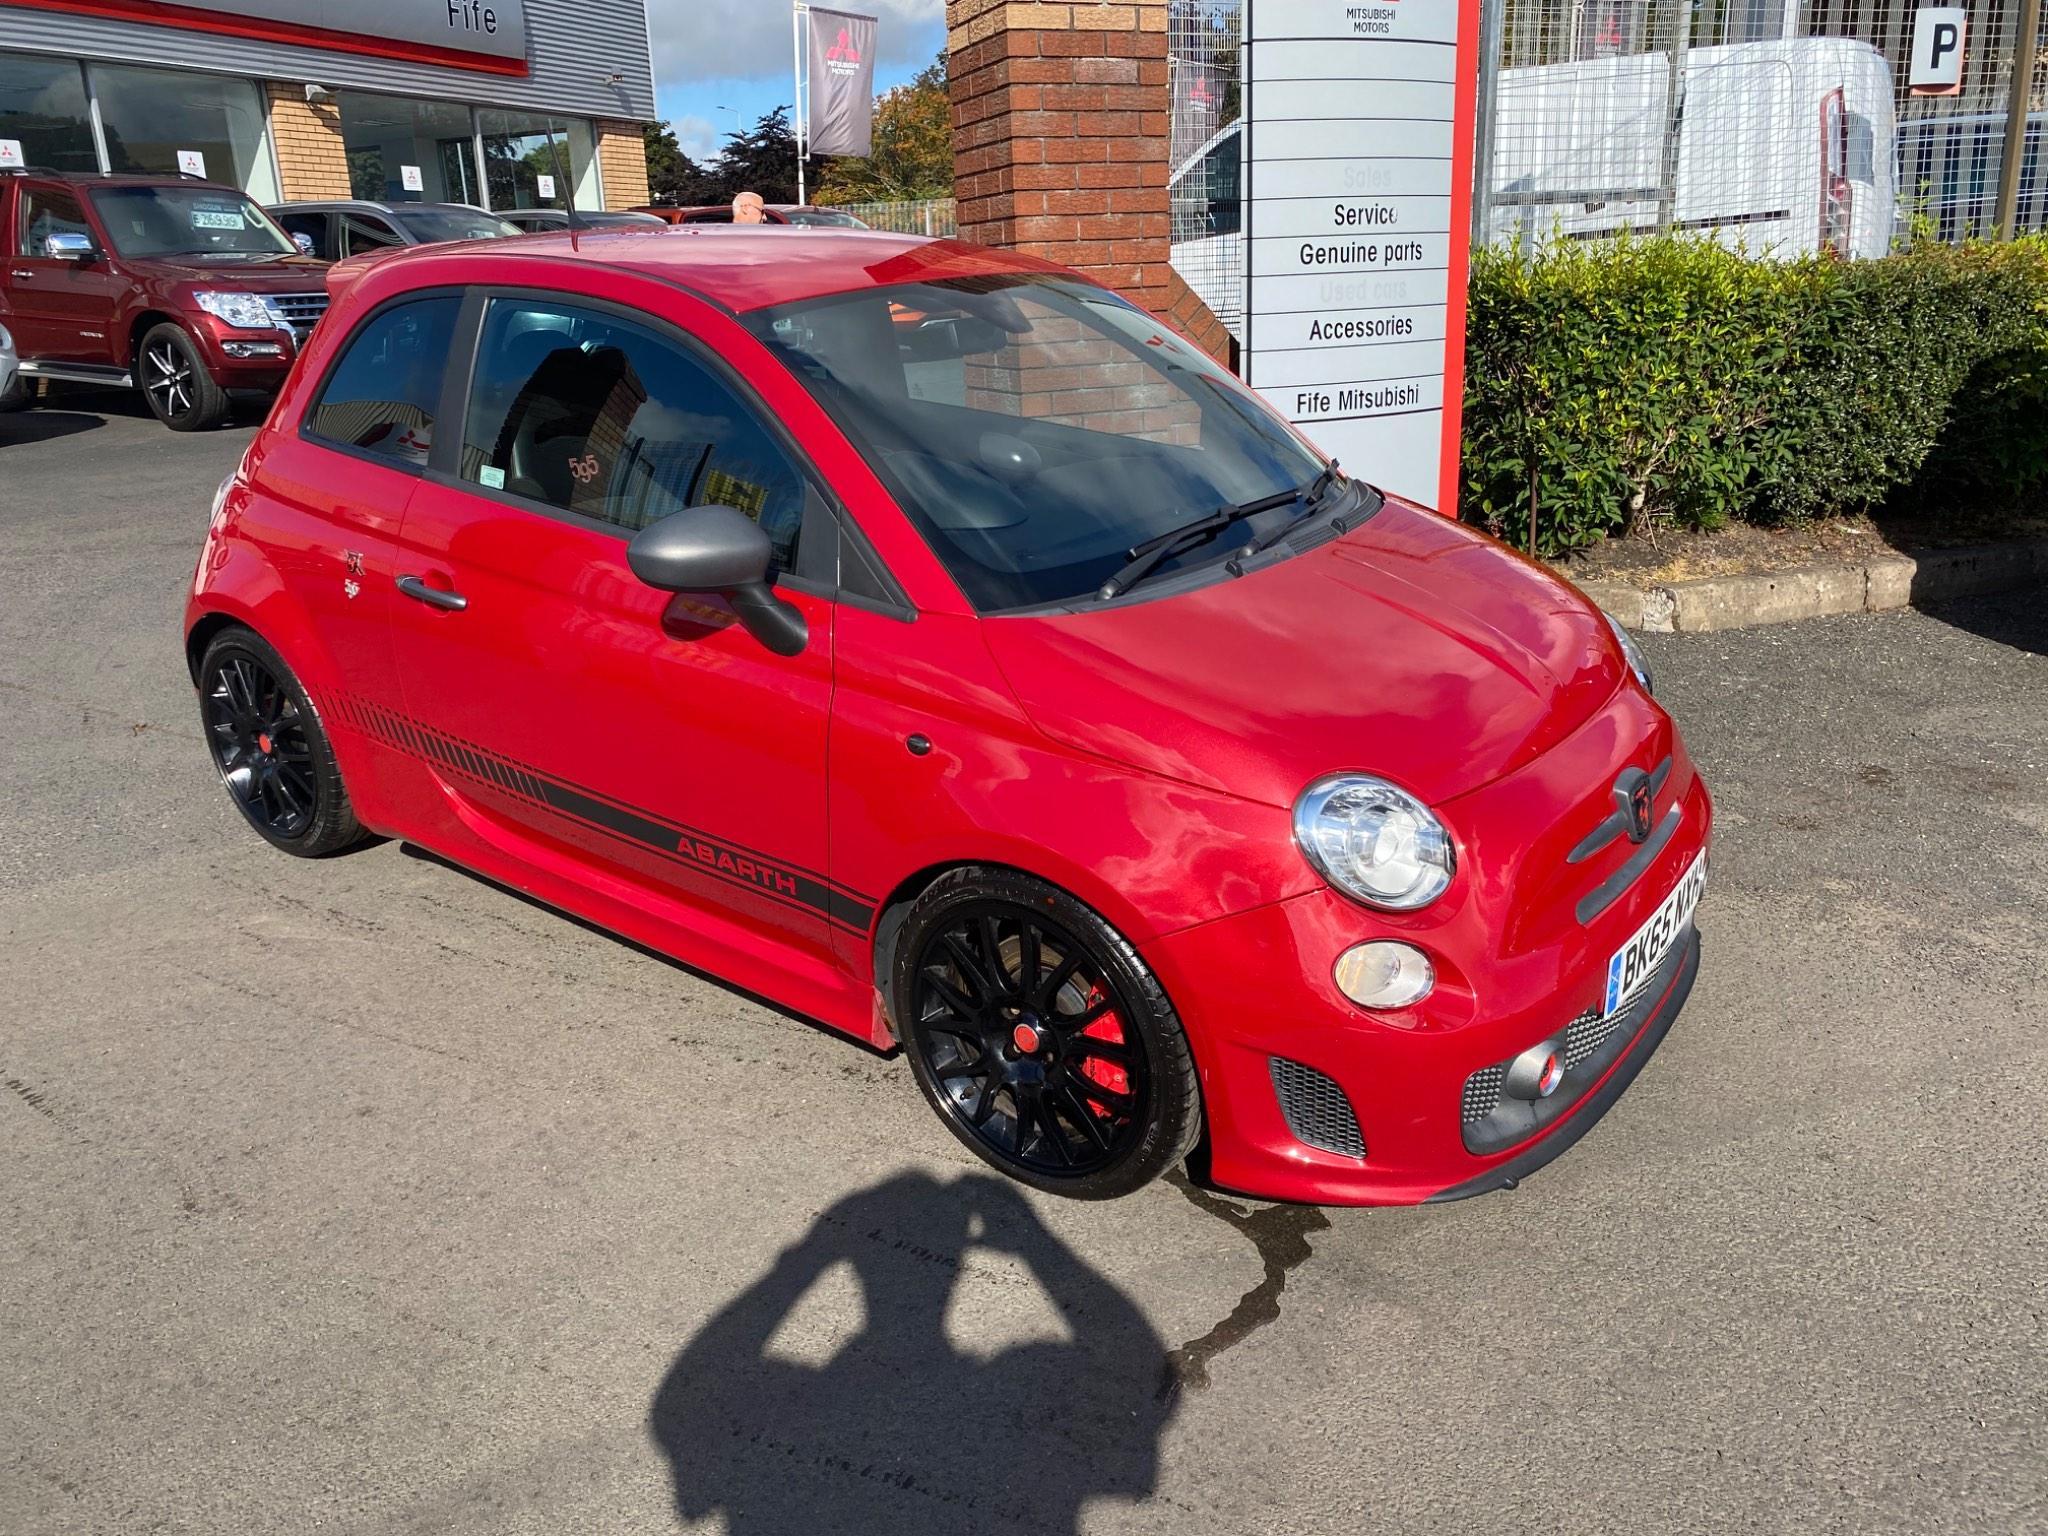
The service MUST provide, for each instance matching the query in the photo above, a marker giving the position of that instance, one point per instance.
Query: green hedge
(1647, 379)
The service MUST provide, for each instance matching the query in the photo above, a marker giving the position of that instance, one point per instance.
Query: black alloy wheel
(268, 745)
(1040, 1038)
(175, 381)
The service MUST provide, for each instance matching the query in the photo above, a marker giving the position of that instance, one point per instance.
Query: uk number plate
(1639, 959)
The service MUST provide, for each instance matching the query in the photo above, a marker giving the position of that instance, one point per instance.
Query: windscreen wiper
(1175, 541)
(1311, 500)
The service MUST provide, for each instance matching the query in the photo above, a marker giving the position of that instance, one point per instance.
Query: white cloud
(748, 39)
(699, 137)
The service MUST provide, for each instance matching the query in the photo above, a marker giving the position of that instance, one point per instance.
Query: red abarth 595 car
(923, 637)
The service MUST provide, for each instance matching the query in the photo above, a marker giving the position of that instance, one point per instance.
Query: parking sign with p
(1937, 68)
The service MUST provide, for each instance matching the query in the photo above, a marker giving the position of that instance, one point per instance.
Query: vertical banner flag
(1357, 153)
(842, 83)
(1197, 100)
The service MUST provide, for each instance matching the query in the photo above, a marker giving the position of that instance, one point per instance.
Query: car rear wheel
(176, 383)
(1041, 1038)
(270, 749)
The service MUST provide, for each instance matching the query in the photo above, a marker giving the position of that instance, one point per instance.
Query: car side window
(595, 415)
(47, 211)
(361, 234)
(312, 225)
(380, 397)
(720, 216)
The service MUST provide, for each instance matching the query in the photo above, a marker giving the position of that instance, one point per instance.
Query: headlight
(1374, 841)
(1630, 652)
(243, 309)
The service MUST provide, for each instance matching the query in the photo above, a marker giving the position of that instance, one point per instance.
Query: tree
(912, 156)
(672, 176)
(762, 160)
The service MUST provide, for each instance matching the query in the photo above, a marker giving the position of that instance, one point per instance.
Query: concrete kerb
(1813, 591)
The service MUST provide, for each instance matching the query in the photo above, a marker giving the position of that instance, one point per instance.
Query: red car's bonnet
(1412, 648)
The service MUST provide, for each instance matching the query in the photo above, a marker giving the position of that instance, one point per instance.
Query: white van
(1785, 148)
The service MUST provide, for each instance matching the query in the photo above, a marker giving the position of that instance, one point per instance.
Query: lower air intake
(1316, 1109)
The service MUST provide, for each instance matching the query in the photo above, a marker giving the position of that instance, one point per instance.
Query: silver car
(9, 363)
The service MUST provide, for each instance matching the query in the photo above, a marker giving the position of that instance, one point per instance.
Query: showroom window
(42, 103)
(150, 115)
(517, 155)
(387, 136)
(146, 117)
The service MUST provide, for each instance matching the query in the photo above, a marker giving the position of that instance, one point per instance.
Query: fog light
(252, 348)
(1537, 1072)
(1384, 974)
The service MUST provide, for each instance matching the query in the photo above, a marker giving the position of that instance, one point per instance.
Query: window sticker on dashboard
(218, 218)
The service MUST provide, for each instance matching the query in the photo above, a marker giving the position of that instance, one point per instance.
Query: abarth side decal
(783, 882)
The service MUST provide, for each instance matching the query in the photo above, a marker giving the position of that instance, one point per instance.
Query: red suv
(183, 288)
(926, 639)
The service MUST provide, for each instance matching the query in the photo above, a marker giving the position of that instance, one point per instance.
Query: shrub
(1669, 379)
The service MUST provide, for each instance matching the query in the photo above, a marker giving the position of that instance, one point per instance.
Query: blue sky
(711, 55)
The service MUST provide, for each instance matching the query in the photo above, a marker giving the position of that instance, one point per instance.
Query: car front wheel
(1040, 1036)
(176, 383)
(270, 749)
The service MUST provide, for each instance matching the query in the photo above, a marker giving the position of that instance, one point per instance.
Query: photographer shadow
(897, 1429)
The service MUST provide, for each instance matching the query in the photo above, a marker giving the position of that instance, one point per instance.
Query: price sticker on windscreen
(11, 157)
(191, 163)
(547, 187)
(409, 177)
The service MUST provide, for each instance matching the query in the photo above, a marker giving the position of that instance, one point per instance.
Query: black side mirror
(720, 549)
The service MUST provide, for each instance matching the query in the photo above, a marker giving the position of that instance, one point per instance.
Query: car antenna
(568, 190)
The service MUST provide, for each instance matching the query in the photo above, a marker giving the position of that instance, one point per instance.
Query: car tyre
(1040, 1037)
(175, 381)
(19, 394)
(270, 748)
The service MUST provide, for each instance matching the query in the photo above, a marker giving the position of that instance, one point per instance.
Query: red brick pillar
(1060, 141)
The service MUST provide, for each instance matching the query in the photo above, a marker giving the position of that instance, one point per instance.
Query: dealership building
(488, 102)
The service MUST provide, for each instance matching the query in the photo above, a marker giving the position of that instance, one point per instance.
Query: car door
(580, 721)
(63, 308)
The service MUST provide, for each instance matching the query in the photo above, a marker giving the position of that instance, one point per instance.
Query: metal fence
(934, 216)
(1782, 127)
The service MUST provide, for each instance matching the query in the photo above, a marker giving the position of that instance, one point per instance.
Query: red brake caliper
(1105, 1073)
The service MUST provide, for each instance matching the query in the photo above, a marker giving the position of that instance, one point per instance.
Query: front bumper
(1309, 1097)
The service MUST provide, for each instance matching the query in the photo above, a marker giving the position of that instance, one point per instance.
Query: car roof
(343, 204)
(119, 179)
(745, 267)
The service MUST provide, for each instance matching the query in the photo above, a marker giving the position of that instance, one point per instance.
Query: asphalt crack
(1279, 1234)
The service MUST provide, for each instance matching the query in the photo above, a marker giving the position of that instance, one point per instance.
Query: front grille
(1482, 1092)
(1316, 1109)
(300, 311)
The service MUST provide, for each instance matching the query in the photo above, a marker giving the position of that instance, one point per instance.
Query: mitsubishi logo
(844, 50)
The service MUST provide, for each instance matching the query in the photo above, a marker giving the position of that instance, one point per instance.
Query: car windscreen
(1037, 429)
(188, 221)
(821, 217)
(428, 225)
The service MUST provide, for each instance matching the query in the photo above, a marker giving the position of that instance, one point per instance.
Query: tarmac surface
(361, 1196)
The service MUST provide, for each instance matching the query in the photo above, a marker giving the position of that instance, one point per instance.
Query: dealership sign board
(463, 34)
(1357, 184)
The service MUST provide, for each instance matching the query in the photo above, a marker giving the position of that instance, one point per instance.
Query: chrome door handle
(19, 273)
(433, 597)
